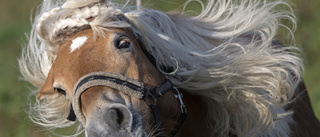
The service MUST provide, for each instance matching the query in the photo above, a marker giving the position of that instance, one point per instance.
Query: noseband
(130, 87)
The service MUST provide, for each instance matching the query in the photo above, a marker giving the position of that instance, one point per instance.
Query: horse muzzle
(114, 118)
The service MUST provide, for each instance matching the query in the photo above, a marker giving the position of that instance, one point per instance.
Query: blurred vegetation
(15, 93)
(308, 36)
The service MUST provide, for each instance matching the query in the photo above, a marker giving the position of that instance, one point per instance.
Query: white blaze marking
(77, 43)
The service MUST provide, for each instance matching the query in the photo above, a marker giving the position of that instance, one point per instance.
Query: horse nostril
(112, 119)
(117, 116)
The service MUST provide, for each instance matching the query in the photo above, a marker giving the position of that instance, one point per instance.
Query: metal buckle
(180, 96)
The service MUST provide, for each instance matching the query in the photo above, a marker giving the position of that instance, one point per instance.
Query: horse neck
(195, 124)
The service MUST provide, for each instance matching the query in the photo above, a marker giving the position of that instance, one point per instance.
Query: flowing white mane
(227, 54)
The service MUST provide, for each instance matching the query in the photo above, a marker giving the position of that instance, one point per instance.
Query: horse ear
(47, 89)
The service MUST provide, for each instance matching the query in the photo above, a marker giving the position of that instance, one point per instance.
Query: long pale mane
(227, 54)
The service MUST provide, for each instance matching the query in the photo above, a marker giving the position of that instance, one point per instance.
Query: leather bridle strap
(151, 99)
(130, 87)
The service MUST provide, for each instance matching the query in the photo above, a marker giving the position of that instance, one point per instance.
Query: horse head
(122, 93)
(121, 72)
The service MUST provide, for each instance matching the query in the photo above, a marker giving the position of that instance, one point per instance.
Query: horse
(116, 69)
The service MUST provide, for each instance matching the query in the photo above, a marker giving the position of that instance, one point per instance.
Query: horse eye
(123, 43)
(61, 91)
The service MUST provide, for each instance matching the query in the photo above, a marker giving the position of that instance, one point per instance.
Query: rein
(130, 87)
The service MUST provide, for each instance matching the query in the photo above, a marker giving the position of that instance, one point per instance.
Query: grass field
(14, 93)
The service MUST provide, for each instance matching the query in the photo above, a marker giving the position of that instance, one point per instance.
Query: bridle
(130, 87)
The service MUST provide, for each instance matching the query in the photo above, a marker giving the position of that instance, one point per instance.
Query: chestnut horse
(118, 71)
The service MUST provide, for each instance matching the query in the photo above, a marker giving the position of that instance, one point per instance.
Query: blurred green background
(15, 93)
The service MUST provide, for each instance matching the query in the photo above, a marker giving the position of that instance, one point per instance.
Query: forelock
(58, 23)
